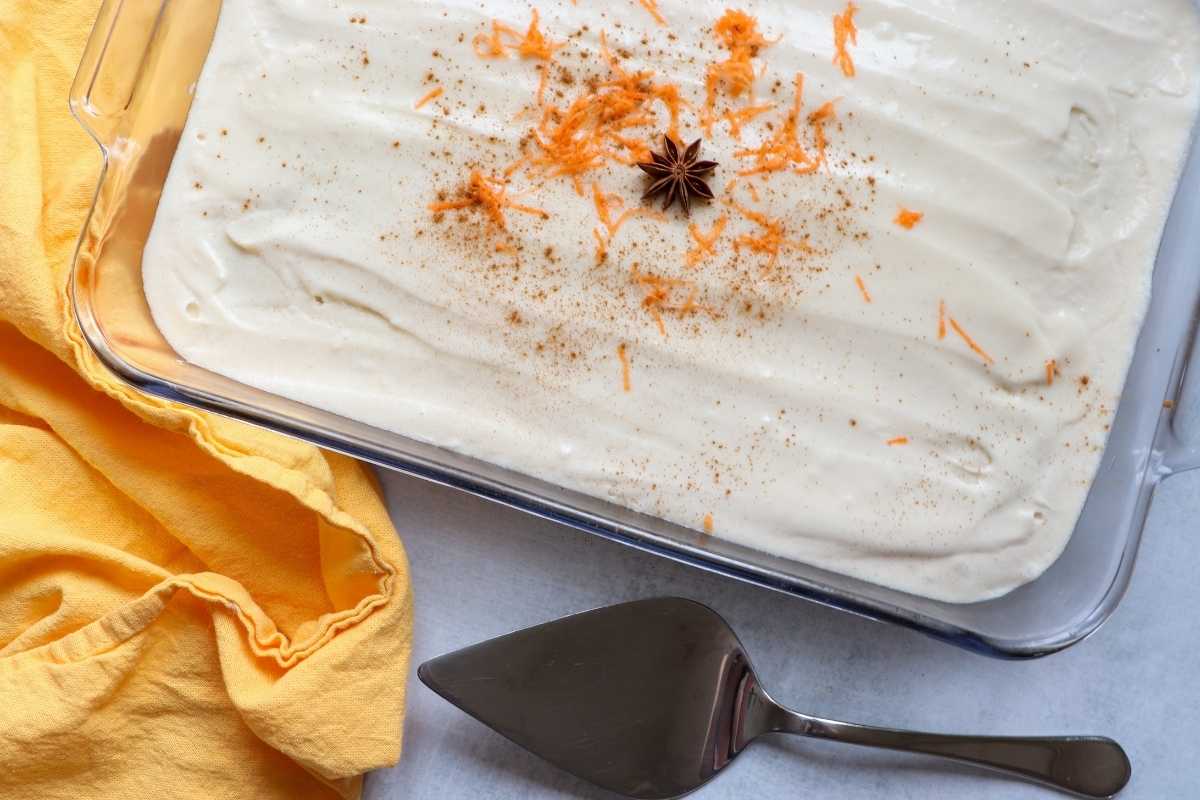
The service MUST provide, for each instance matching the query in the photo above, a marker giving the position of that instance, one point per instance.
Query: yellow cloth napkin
(189, 607)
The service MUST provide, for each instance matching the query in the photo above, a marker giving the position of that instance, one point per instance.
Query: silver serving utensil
(651, 699)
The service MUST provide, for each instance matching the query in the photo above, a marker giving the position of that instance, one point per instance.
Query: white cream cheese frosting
(406, 212)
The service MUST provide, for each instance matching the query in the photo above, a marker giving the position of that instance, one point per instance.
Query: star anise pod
(680, 176)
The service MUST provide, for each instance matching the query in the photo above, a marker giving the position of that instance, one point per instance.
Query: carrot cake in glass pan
(854, 284)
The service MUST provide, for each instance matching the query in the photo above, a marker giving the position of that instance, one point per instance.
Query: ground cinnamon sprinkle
(899, 441)
(862, 288)
(979, 351)
(705, 242)
(433, 94)
(626, 379)
(845, 32)
(908, 219)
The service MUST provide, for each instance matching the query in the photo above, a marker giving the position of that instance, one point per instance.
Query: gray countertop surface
(480, 570)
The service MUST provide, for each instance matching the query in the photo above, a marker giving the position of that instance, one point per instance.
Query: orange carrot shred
(739, 117)
(432, 94)
(601, 245)
(773, 239)
(543, 73)
(899, 441)
(490, 194)
(908, 219)
(738, 33)
(979, 351)
(534, 44)
(708, 523)
(531, 44)
(784, 150)
(626, 379)
(580, 138)
(1051, 371)
(705, 242)
(862, 288)
(941, 319)
(658, 293)
(611, 226)
(492, 45)
(652, 7)
(845, 32)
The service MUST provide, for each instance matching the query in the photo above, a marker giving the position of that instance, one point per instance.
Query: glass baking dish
(132, 94)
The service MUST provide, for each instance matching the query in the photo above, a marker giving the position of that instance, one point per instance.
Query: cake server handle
(1086, 766)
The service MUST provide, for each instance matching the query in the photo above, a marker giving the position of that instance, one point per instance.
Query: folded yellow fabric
(189, 607)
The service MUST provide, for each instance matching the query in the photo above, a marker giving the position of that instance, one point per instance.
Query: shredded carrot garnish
(899, 441)
(543, 73)
(490, 194)
(773, 239)
(626, 379)
(601, 245)
(531, 44)
(432, 94)
(784, 150)
(817, 120)
(611, 226)
(738, 33)
(668, 95)
(979, 351)
(638, 150)
(705, 242)
(581, 137)
(534, 44)
(941, 319)
(652, 7)
(862, 288)
(492, 45)
(845, 32)
(752, 191)
(740, 116)
(708, 523)
(658, 295)
(908, 219)
(1051, 371)
(513, 167)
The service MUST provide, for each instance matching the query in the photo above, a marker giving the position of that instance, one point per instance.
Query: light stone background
(480, 570)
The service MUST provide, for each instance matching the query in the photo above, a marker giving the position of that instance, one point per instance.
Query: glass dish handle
(1180, 444)
(112, 62)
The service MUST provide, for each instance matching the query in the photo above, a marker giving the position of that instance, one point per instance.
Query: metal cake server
(652, 699)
